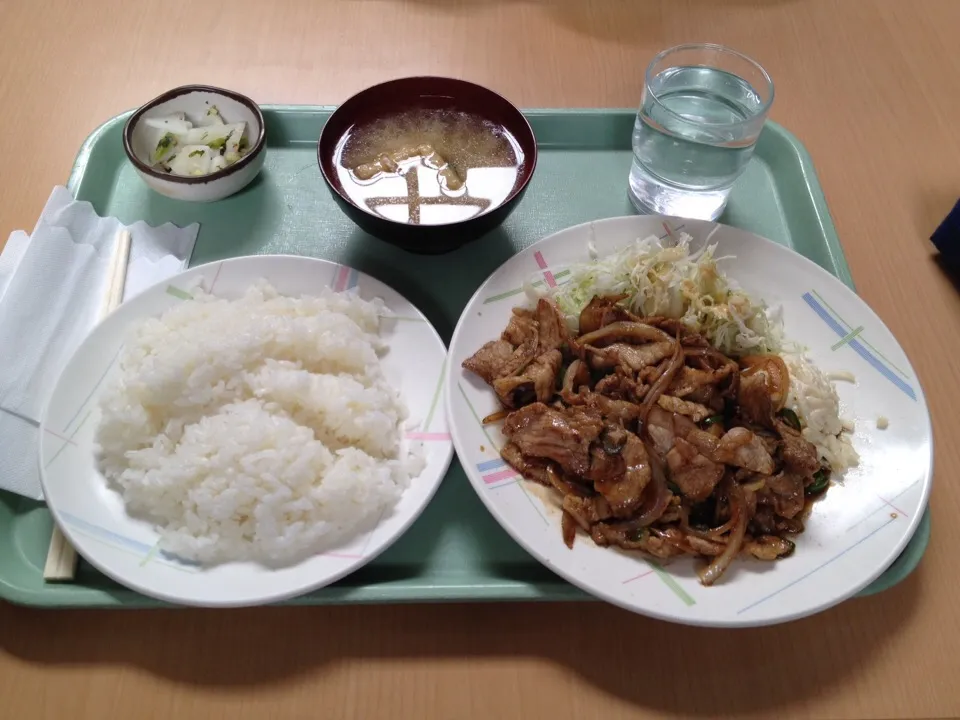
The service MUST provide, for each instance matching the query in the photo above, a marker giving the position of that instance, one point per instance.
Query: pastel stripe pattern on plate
(853, 337)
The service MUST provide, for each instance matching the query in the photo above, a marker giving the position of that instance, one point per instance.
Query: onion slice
(568, 527)
(564, 486)
(657, 491)
(719, 565)
(635, 332)
(661, 385)
(712, 534)
(495, 417)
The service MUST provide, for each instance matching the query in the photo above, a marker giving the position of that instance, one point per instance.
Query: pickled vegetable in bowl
(195, 146)
(197, 143)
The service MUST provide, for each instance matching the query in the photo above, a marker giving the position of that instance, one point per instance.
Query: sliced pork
(564, 437)
(655, 441)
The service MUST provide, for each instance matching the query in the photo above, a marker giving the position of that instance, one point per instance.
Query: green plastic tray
(455, 551)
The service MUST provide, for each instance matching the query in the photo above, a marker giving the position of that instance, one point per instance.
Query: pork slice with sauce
(634, 357)
(764, 520)
(799, 455)
(621, 386)
(628, 538)
(664, 427)
(587, 511)
(498, 358)
(621, 474)
(689, 380)
(531, 468)
(561, 436)
(576, 377)
(744, 449)
(537, 382)
(706, 443)
(612, 410)
(603, 310)
(768, 547)
(692, 472)
(553, 333)
(521, 328)
(516, 348)
(755, 403)
(764, 383)
(692, 410)
(786, 494)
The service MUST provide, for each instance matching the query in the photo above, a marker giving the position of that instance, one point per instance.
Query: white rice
(815, 401)
(257, 429)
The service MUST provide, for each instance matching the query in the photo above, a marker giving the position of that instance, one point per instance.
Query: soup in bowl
(427, 163)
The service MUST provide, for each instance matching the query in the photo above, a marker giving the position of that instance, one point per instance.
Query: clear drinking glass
(702, 111)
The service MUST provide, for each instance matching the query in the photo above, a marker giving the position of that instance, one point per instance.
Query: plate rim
(592, 226)
(263, 599)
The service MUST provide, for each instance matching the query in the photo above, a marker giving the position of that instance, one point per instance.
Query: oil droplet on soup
(429, 167)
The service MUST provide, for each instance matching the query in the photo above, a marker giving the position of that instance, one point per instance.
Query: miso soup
(429, 167)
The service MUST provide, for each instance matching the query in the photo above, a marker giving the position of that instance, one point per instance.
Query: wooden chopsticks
(61, 564)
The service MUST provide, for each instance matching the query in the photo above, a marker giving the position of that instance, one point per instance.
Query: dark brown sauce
(429, 167)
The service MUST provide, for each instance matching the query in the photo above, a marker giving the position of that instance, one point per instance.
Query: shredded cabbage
(667, 279)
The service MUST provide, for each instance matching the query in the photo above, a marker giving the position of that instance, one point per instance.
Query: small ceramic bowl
(195, 100)
(432, 93)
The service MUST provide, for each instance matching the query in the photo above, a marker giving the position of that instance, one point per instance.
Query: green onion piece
(217, 144)
(674, 488)
(821, 478)
(790, 418)
(165, 143)
(713, 419)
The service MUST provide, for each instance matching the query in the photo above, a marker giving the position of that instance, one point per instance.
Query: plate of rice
(247, 431)
(689, 421)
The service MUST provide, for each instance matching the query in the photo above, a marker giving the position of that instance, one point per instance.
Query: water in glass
(694, 134)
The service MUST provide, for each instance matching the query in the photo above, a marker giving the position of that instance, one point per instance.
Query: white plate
(93, 517)
(853, 534)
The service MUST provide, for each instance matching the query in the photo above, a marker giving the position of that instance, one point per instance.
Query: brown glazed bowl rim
(523, 125)
(174, 93)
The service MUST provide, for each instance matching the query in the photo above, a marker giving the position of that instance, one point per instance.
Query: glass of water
(702, 111)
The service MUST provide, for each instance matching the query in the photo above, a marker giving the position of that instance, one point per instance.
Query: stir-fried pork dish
(656, 441)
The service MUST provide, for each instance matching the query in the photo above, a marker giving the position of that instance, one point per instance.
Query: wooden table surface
(872, 89)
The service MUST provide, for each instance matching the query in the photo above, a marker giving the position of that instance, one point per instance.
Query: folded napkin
(10, 258)
(52, 287)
